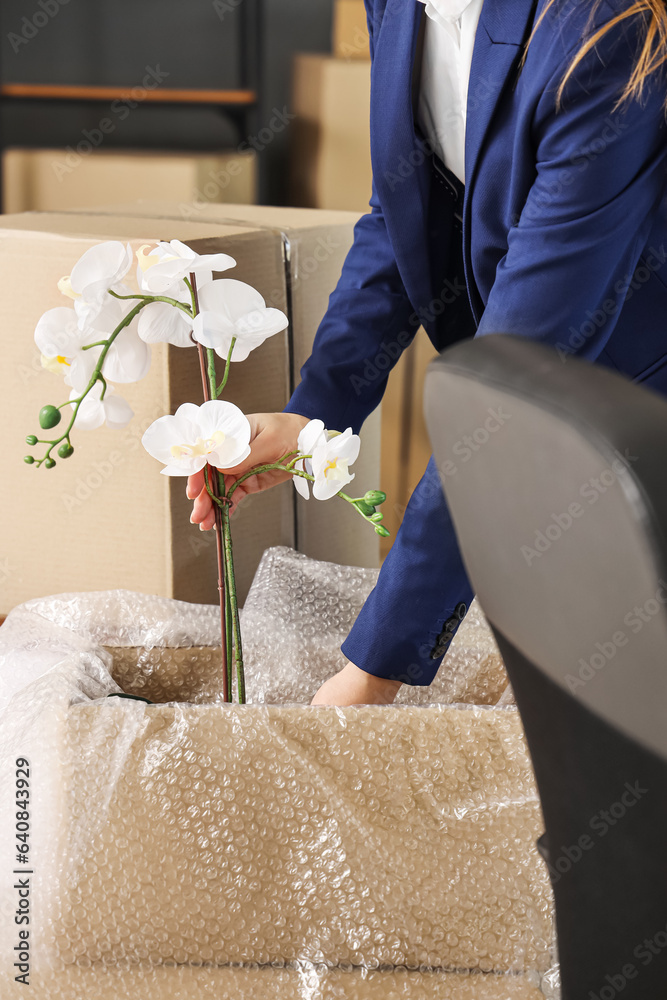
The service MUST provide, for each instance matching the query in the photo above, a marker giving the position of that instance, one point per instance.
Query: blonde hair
(650, 57)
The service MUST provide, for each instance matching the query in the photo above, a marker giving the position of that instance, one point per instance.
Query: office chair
(555, 472)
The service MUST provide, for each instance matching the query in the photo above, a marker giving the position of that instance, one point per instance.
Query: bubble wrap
(192, 849)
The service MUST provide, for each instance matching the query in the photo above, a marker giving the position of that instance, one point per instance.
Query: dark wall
(145, 44)
(290, 26)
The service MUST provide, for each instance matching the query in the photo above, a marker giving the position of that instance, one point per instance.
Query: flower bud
(49, 416)
(365, 508)
(375, 497)
(31, 439)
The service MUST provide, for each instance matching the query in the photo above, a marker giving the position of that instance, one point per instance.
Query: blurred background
(223, 101)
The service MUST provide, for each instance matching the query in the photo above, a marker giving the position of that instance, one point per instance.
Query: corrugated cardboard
(350, 31)
(356, 837)
(331, 160)
(207, 982)
(72, 178)
(106, 518)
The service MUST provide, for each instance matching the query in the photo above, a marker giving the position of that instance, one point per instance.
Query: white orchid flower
(94, 411)
(331, 462)
(215, 433)
(231, 309)
(100, 269)
(166, 264)
(312, 435)
(61, 340)
(160, 322)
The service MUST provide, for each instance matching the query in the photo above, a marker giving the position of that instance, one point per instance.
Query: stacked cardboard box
(350, 31)
(331, 159)
(49, 180)
(106, 518)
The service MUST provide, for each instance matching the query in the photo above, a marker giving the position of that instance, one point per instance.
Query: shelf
(163, 95)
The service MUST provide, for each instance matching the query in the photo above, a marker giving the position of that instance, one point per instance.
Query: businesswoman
(519, 160)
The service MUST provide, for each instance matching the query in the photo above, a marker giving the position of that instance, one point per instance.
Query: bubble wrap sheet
(190, 849)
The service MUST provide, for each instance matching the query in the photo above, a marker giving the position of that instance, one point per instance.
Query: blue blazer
(564, 241)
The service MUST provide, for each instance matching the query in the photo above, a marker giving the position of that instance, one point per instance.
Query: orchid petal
(159, 323)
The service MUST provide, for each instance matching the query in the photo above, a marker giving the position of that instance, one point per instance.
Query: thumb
(266, 444)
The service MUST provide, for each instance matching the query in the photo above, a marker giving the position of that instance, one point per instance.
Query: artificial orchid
(331, 461)
(166, 264)
(105, 338)
(310, 436)
(234, 319)
(215, 433)
(100, 407)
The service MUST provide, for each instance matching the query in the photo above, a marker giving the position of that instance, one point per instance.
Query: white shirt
(448, 43)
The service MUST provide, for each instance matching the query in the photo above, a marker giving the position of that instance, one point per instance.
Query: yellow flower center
(203, 446)
(54, 364)
(65, 286)
(335, 467)
(146, 260)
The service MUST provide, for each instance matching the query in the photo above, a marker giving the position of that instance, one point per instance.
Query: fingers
(202, 509)
(265, 443)
(195, 485)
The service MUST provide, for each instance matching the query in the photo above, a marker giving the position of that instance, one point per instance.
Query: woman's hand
(272, 436)
(353, 686)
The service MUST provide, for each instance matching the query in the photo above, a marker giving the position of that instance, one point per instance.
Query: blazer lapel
(504, 27)
(401, 169)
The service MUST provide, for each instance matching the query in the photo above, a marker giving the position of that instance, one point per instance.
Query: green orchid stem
(222, 385)
(231, 639)
(212, 376)
(234, 606)
(147, 299)
(97, 373)
(280, 467)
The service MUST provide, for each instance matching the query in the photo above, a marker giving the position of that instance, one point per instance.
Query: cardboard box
(106, 518)
(330, 154)
(350, 30)
(53, 180)
(180, 833)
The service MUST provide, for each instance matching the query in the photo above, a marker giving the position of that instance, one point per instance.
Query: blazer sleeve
(364, 331)
(600, 175)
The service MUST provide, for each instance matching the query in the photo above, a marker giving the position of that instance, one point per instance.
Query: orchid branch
(96, 377)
